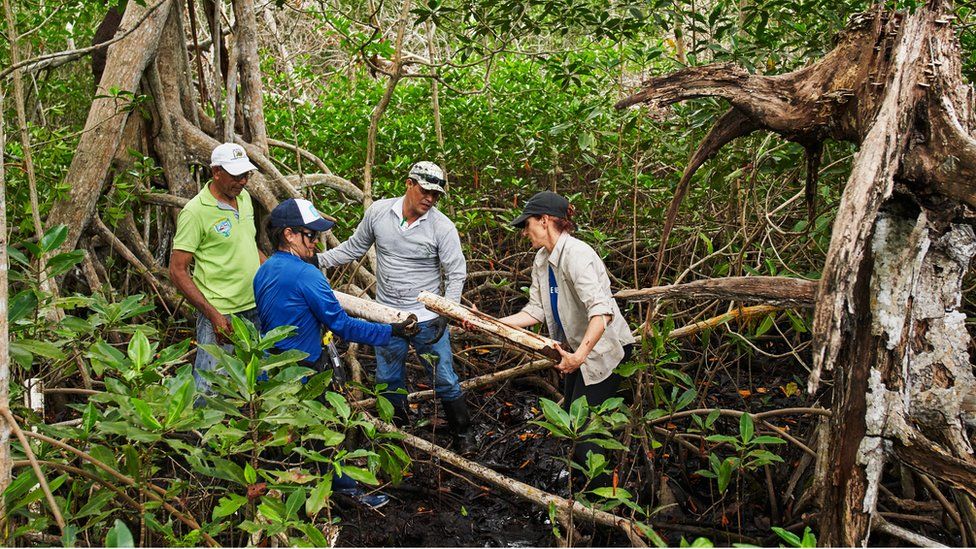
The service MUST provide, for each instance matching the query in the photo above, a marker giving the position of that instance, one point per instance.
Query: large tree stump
(887, 305)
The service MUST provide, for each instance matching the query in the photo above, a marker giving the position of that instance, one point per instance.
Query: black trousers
(596, 394)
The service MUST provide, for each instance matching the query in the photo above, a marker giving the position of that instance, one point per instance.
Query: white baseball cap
(232, 158)
(428, 175)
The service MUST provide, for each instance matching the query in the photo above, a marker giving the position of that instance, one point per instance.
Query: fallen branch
(522, 490)
(151, 490)
(41, 479)
(741, 313)
(473, 383)
(522, 339)
(776, 290)
(880, 524)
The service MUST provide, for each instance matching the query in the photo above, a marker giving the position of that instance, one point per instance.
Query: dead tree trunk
(887, 309)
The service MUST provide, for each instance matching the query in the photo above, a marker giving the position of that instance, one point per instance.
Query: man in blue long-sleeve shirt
(417, 249)
(289, 291)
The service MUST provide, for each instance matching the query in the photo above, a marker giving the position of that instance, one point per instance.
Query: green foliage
(750, 453)
(262, 448)
(793, 540)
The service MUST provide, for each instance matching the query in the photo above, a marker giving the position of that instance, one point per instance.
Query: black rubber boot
(459, 420)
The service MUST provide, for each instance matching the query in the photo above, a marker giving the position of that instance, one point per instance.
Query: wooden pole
(523, 339)
(371, 310)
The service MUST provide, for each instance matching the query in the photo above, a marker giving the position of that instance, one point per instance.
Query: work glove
(405, 329)
(439, 324)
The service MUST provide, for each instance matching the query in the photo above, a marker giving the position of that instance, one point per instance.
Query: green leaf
(43, 348)
(746, 428)
(179, 402)
(21, 305)
(789, 537)
(609, 492)
(119, 536)
(228, 505)
(139, 350)
(319, 496)
(578, 411)
(385, 408)
(809, 539)
(556, 415)
(339, 403)
(63, 262)
(766, 439)
(722, 438)
(145, 413)
(295, 502)
(314, 535)
(765, 325)
(89, 417)
(250, 475)
(362, 475)
(51, 240)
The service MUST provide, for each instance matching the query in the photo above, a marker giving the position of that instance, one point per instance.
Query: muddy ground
(436, 507)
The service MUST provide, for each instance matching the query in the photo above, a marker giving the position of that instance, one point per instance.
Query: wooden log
(776, 290)
(371, 310)
(523, 339)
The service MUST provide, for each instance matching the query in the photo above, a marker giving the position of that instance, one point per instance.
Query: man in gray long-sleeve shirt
(417, 248)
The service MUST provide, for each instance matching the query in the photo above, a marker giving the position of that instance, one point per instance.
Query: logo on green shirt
(223, 227)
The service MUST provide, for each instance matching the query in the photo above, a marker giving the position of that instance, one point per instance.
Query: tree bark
(252, 100)
(523, 339)
(126, 61)
(776, 290)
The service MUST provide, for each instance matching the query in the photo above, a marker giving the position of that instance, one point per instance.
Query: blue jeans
(391, 363)
(205, 334)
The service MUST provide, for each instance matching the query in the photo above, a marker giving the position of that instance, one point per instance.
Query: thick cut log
(776, 290)
(523, 339)
(125, 63)
(371, 310)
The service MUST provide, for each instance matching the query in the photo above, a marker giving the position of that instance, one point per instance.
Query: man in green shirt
(216, 230)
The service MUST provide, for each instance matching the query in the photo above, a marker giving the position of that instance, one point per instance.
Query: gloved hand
(439, 324)
(405, 329)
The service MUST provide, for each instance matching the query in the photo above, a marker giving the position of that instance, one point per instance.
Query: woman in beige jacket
(571, 293)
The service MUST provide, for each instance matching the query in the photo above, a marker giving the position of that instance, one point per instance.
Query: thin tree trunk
(125, 63)
(249, 65)
(5, 428)
(380, 108)
(435, 96)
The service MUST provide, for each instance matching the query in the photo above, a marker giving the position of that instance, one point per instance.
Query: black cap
(545, 202)
(299, 213)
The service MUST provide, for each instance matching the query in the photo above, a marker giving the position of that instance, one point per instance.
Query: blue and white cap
(298, 212)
